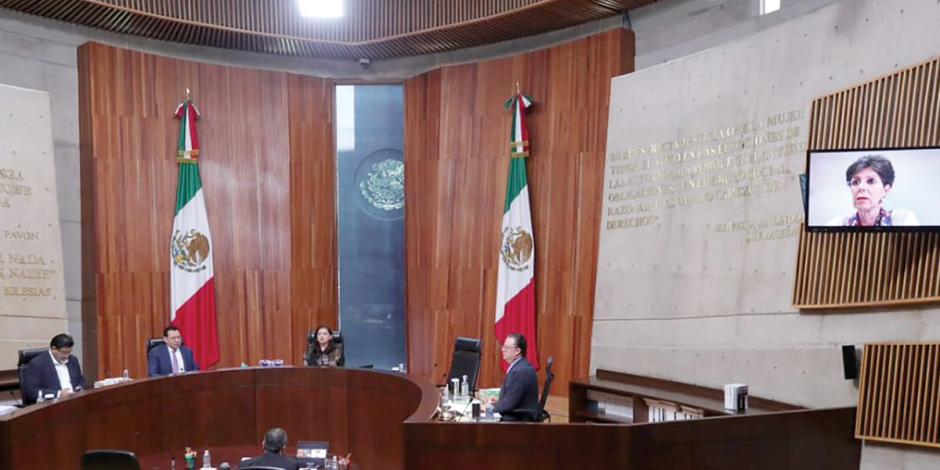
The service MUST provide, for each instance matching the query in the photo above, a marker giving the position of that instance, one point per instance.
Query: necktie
(176, 365)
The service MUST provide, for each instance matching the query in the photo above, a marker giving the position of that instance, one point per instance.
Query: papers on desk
(111, 381)
(5, 409)
(486, 394)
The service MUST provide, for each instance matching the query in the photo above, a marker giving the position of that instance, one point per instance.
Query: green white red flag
(515, 284)
(192, 282)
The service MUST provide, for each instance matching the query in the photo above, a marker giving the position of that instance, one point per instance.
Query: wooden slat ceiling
(374, 29)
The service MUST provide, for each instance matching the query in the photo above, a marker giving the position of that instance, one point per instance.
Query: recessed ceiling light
(320, 8)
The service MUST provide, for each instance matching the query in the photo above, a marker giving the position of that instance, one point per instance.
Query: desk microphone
(225, 466)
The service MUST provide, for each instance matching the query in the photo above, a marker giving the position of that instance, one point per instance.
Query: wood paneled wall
(456, 159)
(872, 269)
(899, 394)
(268, 170)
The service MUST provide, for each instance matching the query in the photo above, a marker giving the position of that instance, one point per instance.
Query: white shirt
(179, 360)
(65, 381)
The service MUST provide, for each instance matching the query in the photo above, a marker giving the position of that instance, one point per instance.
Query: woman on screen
(870, 180)
(323, 352)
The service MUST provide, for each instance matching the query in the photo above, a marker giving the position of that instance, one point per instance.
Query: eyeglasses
(504, 347)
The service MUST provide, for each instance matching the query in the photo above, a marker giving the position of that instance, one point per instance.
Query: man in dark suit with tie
(520, 389)
(274, 442)
(171, 357)
(56, 373)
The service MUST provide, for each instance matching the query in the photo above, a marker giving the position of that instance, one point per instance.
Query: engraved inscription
(733, 161)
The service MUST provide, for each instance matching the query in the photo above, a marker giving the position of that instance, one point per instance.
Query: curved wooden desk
(383, 419)
(356, 410)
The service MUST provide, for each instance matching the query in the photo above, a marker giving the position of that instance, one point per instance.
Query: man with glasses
(519, 394)
(53, 375)
(171, 357)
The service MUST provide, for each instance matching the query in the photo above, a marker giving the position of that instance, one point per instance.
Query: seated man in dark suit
(57, 373)
(520, 389)
(275, 440)
(171, 357)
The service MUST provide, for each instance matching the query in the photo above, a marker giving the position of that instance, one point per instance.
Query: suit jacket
(520, 391)
(159, 364)
(270, 459)
(40, 376)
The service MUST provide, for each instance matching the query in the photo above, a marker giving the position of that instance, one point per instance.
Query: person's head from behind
(324, 336)
(61, 347)
(172, 337)
(513, 347)
(275, 440)
(870, 178)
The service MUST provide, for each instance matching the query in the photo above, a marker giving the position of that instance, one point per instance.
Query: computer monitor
(312, 453)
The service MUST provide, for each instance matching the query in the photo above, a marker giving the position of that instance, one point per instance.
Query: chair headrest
(467, 344)
(337, 337)
(26, 355)
(154, 342)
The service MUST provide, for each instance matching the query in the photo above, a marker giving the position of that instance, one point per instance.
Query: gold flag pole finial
(518, 92)
(189, 96)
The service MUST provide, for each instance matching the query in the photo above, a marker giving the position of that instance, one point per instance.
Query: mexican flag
(515, 283)
(192, 286)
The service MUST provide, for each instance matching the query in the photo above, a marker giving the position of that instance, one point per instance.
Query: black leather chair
(539, 415)
(466, 361)
(110, 460)
(154, 342)
(23, 358)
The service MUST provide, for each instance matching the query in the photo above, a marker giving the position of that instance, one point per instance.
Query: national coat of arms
(384, 187)
(516, 249)
(190, 250)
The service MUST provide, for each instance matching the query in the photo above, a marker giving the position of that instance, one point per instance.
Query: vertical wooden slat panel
(873, 269)
(899, 399)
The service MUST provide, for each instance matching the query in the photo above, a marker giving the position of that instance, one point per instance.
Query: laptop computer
(312, 453)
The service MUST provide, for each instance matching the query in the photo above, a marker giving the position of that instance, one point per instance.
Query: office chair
(154, 342)
(110, 460)
(541, 415)
(23, 358)
(538, 415)
(466, 361)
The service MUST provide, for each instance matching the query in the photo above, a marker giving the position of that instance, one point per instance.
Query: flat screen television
(882, 189)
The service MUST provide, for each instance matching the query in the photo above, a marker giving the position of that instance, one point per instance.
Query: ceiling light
(320, 8)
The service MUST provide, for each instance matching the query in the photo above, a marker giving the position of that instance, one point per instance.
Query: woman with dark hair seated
(323, 352)
(870, 179)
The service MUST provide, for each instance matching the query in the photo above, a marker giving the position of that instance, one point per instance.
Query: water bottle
(39, 397)
(464, 388)
(333, 464)
(126, 375)
(206, 459)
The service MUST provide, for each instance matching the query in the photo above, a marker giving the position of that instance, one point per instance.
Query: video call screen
(877, 189)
